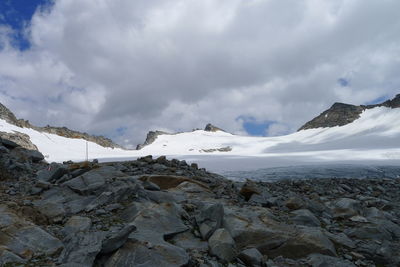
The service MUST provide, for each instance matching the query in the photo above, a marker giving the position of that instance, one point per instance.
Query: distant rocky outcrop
(152, 135)
(25, 142)
(65, 132)
(340, 114)
(211, 128)
(150, 138)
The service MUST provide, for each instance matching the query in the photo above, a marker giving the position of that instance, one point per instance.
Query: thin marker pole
(87, 152)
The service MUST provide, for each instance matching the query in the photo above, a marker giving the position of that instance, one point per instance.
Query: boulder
(251, 257)
(304, 241)
(93, 180)
(77, 224)
(222, 245)
(345, 208)
(82, 248)
(53, 172)
(169, 181)
(210, 219)
(116, 240)
(305, 217)
(142, 253)
(249, 189)
(21, 237)
(318, 260)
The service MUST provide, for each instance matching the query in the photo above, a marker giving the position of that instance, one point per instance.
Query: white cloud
(178, 64)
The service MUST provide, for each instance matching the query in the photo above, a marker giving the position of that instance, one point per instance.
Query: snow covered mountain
(354, 134)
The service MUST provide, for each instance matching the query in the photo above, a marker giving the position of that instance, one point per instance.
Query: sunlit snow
(375, 136)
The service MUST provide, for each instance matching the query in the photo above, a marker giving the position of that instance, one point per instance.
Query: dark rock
(318, 260)
(211, 128)
(150, 138)
(53, 172)
(222, 245)
(346, 207)
(210, 219)
(77, 224)
(249, 189)
(251, 257)
(305, 217)
(115, 241)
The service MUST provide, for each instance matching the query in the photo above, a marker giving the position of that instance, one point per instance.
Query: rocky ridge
(160, 212)
(340, 114)
(152, 135)
(9, 117)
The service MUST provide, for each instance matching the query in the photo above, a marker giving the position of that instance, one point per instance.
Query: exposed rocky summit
(65, 132)
(160, 212)
(150, 138)
(211, 128)
(24, 141)
(340, 114)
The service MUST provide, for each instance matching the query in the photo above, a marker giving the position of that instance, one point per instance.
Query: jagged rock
(102, 199)
(53, 172)
(142, 253)
(169, 181)
(150, 138)
(22, 237)
(17, 139)
(77, 224)
(251, 257)
(92, 180)
(211, 128)
(340, 114)
(318, 260)
(210, 219)
(294, 203)
(305, 241)
(82, 248)
(249, 189)
(115, 241)
(305, 217)
(341, 240)
(187, 240)
(7, 258)
(345, 208)
(222, 245)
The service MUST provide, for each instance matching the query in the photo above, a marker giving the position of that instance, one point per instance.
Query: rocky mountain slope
(9, 117)
(159, 212)
(341, 114)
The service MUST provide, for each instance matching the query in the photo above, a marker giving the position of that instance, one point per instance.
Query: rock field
(160, 212)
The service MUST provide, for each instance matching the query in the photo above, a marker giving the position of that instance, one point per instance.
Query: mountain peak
(340, 114)
(7, 115)
(211, 128)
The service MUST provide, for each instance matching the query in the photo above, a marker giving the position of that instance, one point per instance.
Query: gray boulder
(53, 172)
(82, 248)
(116, 240)
(318, 260)
(251, 257)
(345, 208)
(77, 224)
(23, 236)
(305, 217)
(210, 219)
(222, 245)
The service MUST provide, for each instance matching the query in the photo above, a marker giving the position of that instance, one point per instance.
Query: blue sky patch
(17, 15)
(254, 127)
(377, 100)
(343, 82)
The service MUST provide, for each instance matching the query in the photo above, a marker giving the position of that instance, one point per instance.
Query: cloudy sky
(261, 67)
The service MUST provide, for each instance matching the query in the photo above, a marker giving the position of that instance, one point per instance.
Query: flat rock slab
(22, 237)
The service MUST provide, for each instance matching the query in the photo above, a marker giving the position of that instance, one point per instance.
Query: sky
(253, 67)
